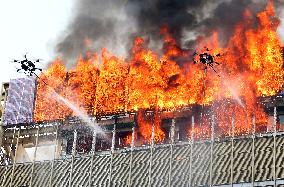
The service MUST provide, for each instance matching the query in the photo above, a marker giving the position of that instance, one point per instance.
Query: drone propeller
(38, 60)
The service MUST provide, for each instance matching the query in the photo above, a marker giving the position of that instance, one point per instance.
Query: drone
(28, 66)
(206, 59)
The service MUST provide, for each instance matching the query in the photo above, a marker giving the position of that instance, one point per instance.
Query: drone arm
(39, 78)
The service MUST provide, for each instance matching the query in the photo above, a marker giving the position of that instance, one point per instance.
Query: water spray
(82, 115)
(29, 68)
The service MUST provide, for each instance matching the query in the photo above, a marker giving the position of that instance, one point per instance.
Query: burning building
(152, 119)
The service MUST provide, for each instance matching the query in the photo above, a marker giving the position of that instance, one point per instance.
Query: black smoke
(114, 23)
(200, 17)
(175, 14)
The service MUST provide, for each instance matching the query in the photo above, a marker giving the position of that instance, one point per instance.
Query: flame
(201, 130)
(145, 126)
(127, 140)
(250, 67)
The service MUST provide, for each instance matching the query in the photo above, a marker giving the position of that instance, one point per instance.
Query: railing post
(34, 157)
(232, 149)
(15, 157)
(93, 152)
(111, 155)
(212, 149)
(52, 162)
(73, 157)
(151, 150)
(253, 148)
(6, 167)
(191, 151)
(274, 145)
(172, 135)
(131, 155)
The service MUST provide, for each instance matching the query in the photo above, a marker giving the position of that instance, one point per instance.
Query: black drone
(28, 66)
(206, 59)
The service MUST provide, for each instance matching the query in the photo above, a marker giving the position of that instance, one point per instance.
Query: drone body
(206, 59)
(28, 66)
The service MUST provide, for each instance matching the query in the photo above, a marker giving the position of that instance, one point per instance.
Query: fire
(111, 86)
(250, 67)
(127, 140)
(145, 126)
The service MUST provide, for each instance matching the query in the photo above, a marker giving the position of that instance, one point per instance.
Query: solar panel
(20, 101)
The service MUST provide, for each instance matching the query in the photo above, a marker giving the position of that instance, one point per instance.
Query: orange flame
(145, 126)
(250, 66)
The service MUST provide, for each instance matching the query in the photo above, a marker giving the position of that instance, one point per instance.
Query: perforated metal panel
(20, 101)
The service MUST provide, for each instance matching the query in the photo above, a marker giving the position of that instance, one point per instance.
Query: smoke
(97, 24)
(114, 23)
(188, 20)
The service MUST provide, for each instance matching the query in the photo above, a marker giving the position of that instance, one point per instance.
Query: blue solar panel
(20, 101)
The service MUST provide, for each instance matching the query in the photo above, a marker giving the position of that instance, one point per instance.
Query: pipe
(25, 132)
